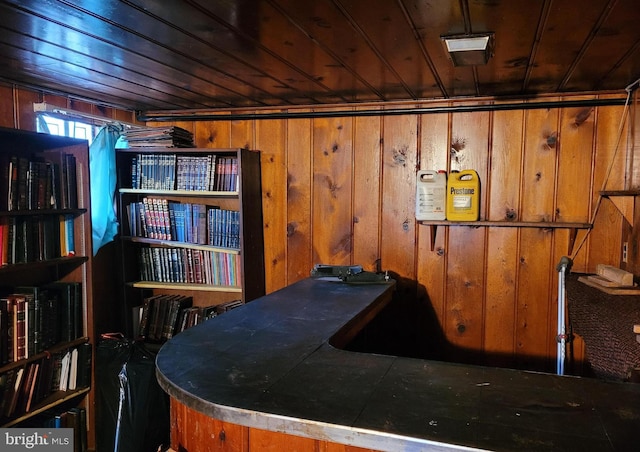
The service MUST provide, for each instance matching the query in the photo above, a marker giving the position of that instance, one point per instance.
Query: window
(66, 127)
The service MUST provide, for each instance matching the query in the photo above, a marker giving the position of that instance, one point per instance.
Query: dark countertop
(269, 365)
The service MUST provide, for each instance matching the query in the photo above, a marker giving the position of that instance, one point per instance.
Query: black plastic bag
(132, 410)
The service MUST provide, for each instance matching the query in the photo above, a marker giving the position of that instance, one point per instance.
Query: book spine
(19, 328)
(69, 228)
(13, 189)
(143, 330)
(72, 182)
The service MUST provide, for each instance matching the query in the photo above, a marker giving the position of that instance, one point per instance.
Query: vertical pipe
(561, 338)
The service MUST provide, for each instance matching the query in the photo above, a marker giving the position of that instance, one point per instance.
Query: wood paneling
(299, 186)
(367, 172)
(342, 191)
(196, 54)
(332, 205)
(271, 141)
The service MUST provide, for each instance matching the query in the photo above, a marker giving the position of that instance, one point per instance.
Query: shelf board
(172, 244)
(185, 286)
(41, 212)
(54, 349)
(192, 193)
(510, 224)
(169, 150)
(572, 226)
(31, 266)
(53, 400)
(609, 193)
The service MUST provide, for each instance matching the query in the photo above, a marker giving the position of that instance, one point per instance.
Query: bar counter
(275, 364)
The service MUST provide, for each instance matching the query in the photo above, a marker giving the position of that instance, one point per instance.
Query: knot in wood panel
(333, 187)
(582, 116)
(400, 155)
(551, 140)
(291, 229)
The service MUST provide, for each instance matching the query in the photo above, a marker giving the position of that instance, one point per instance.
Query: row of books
(162, 219)
(22, 388)
(32, 239)
(209, 172)
(38, 184)
(170, 136)
(32, 319)
(185, 265)
(163, 316)
(74, 418)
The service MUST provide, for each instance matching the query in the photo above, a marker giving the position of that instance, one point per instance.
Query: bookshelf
(46, 302)
(191, 227)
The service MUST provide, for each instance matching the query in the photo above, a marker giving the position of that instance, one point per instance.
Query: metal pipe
(564, 266)
(209, 115)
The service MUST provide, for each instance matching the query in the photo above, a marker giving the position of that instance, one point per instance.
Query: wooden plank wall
(342, 191)
(16, 107)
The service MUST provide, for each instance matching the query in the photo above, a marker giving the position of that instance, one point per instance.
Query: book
(56, 371)
(67, 235)
(70, 314)
(38, 316)
(209, 312)
(73, 369)
(71, 182)
(19, 304)
(65, 364)
(5, 388)
(14, 393)
(12, 181)
(84, 365)
(6, 330)
(30, 387)
(23, 175)
(145, 315)
(176, 306)
(78, 420)
(44, 384)
(51, 312)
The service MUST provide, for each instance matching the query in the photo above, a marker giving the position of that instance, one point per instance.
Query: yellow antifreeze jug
(463, 196)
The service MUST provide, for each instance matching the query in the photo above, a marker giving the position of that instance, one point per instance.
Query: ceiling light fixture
(469, 49)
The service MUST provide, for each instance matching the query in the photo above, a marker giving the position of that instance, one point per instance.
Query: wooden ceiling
(199, 54)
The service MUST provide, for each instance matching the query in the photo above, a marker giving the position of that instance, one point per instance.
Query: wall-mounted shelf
(573, 227)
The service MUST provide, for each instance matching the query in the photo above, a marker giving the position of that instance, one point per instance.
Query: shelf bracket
(625, 205)
(573, 232)
(434, 230)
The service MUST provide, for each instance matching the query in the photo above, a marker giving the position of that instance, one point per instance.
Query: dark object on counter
(351, 274)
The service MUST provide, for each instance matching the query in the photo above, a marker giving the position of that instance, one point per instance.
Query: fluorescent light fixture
(469, 50)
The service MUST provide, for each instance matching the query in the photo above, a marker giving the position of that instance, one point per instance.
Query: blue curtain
(102, 169)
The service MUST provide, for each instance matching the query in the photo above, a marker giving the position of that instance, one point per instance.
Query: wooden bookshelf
(241, 196)
(38, 267)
